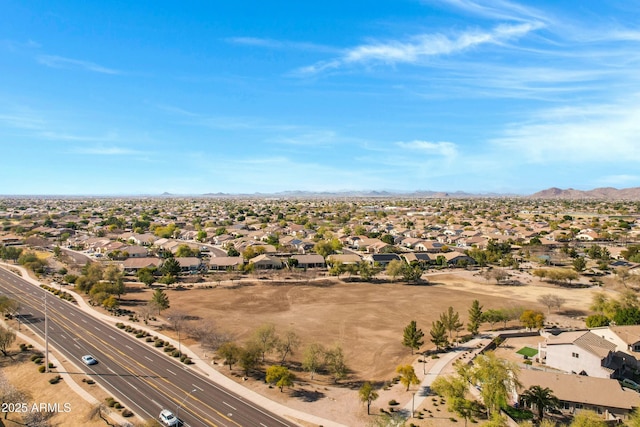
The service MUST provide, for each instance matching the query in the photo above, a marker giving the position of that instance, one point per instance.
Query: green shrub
(55, 380)
(127, 413)
(51, 365)
(117, 405)
(159, 343)
(393, 402)
(42, 369)
(187, 361)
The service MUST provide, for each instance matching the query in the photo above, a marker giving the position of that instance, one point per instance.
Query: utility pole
(46, 335)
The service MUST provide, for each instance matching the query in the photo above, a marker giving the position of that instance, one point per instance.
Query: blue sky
(193, 97)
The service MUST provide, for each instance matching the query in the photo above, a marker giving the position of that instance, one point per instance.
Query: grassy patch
(527, 351)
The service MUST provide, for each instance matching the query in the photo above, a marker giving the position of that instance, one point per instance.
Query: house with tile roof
(579, 352)
(578, 392)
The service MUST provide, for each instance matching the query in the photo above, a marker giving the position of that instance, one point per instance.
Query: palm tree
(540, 397)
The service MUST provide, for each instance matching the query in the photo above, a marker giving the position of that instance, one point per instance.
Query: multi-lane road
(140, 377)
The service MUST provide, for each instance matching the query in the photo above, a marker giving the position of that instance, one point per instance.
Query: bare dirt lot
(366, 319)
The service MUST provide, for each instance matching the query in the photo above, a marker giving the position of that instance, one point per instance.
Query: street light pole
(182, 403)
(46, 335)
(413, 399)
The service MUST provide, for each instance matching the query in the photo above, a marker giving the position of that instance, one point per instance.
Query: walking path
(202, 365)
(465, 353)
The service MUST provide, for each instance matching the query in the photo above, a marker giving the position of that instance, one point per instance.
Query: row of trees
(266, 341)
(105, 286)
(624, 310)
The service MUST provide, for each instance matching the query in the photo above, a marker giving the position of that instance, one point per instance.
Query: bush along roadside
(62, 294)
(156, 342)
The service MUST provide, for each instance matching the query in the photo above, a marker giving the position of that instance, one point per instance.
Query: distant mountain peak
(603, 193)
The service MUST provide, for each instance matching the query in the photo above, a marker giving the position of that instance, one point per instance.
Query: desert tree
(280, 376)
(313, 358)
(408, 375)
(532, 319)
(7, 337)
(335, 361)
(367, 394)
(551, 301)
(586, 418)
(395, 269)
(287, 345)
(579, 264)
(451, 321)
(249, 357)
(145, 275)
(497, 377)
(230, 352)
(475, 317)
(266, 337)
(412, 336)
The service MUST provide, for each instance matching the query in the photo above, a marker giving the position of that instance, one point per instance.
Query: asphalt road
(142, 378)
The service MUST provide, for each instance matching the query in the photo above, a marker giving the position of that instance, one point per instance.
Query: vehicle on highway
(168, 419)
(89, 359)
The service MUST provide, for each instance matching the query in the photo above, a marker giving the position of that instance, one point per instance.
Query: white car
(89, 360)
(167, 418)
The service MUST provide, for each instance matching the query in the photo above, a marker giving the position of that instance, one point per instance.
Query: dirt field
(366, 319)
(71, 410)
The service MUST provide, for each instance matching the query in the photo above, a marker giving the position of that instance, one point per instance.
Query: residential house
(422, 258)
(429, 246)
(225, 262)
(133, 265)
(579, 352)
(627, 342)
(577, 392)
(381, 259)
(189, 264)
(344, 258)
(309, 261)
(265, 261)
(135, 251)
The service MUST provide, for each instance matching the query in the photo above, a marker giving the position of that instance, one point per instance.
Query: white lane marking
(130, 348)
(157, 404)
(111, 370)
(84, 320)
(263, 425)
(63, 337)
(77, 346)
(229, 405)
(96, 328)
(172, 372)
(197, 387)
(112, 337)
(132, 386)
(72, 314)
(150, 360)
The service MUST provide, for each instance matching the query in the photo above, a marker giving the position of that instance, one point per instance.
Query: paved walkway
(205, 368)
(465, 352)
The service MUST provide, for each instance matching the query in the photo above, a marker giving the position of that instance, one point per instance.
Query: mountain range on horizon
(603, 193)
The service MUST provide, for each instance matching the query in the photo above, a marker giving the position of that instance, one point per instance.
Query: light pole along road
(142, 378)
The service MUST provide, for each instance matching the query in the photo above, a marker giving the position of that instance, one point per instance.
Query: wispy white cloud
(498, 9)
(54, 61)
(22, 120)
(445, 149)
(592, 133)
(421, 47)
(281, 44)
(101, 150)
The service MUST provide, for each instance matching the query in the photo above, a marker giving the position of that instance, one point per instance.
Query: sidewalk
(445, 365)
(202, 366)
